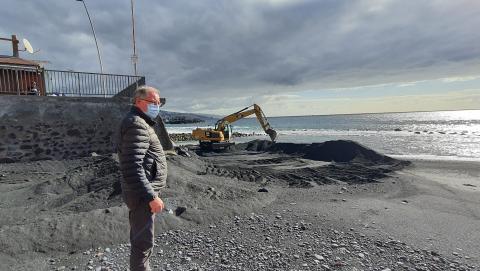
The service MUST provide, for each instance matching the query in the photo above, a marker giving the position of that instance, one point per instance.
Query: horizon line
(390, 112)
(338, 114)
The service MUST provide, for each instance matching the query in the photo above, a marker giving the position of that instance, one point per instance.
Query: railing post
(18, 83)
(78, 80)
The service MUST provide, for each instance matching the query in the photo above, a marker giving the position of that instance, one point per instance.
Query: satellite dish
(28, 46)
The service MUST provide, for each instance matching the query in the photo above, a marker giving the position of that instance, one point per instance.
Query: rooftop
(10, 60)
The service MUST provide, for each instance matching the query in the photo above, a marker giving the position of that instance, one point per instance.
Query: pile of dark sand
(298, 165)
(57, 205)
(336, 151)
(50, 207)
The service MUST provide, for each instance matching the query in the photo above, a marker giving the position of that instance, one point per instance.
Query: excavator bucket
(272, 133)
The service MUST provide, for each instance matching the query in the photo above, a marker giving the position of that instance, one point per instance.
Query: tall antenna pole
(96, 44)
(134, 56)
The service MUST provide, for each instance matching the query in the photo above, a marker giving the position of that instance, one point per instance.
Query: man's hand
(156, 205)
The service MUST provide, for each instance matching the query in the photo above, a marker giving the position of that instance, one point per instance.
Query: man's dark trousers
(141, 233)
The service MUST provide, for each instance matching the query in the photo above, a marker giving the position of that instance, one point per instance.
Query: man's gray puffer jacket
(142, 160)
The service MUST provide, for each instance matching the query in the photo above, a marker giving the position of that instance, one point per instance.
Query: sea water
(429, 135)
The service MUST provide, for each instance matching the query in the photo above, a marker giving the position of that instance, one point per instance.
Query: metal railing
(25, 80)
(70, 83)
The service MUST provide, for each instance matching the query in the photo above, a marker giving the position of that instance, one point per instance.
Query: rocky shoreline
(274, 240)
(182, 137)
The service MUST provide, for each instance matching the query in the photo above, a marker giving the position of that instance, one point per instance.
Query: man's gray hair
(142, 92)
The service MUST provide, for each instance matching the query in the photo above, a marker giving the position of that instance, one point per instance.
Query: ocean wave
(430, 157)
(401, 133)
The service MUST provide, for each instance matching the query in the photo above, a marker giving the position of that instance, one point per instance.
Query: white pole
(98, 50)
(134, 56)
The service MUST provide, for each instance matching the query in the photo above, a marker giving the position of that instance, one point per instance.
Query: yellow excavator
(220, 137)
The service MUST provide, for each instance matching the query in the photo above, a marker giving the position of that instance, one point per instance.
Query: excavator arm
(220, 125)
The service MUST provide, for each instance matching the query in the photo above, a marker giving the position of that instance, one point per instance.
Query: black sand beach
(326, 206)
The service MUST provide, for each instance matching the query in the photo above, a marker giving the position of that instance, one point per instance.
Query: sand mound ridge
(302, 165)
(337, 151)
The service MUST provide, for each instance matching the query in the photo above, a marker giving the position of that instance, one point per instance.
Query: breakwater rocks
(183, 120)
(179, 137)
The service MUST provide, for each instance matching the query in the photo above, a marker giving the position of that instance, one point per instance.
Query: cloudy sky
(293, 57)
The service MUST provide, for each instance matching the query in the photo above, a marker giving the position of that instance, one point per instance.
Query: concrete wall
(38, 127)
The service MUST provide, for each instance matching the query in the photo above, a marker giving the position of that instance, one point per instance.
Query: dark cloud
(203, 53)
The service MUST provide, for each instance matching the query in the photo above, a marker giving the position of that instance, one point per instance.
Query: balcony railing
(70, 83)
(18, 80)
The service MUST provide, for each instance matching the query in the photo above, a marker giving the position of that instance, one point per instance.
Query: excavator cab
(227, 131)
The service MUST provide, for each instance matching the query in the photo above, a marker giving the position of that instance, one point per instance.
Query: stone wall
(39, 127)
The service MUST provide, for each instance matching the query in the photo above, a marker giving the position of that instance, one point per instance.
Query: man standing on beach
(144, 170)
